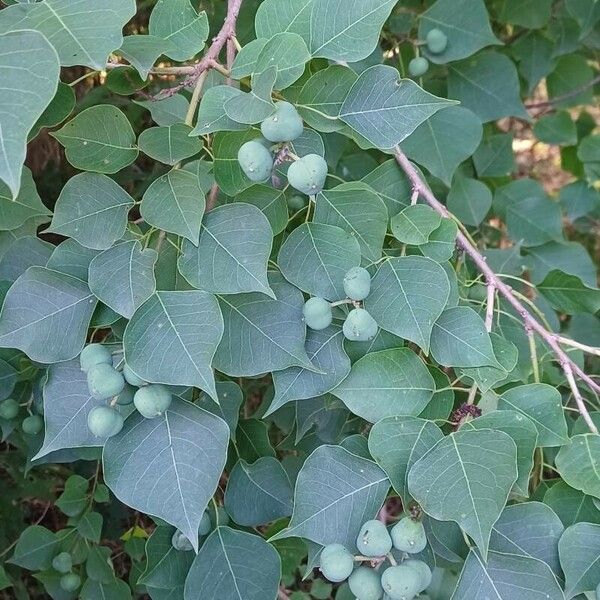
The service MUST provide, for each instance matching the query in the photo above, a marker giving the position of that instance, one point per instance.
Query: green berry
(365, 584)
(422, 569)
(180, 542)
(126, 396)
(308, 174)
(284, 125)
(401, 582)
(70, 582)
(94, 354)
(317, 313)
(104, 421)
(418, 66)
(360, 326)
(437, 41)
(62, 562)
(373, 539)
(337, 563)
(357, 283)
(256, 161)
(104, 381)
(152, 400)
(409, 536)
(131, 378)
(205, 524)
(9, 409)
(296, 202)
(32, 424)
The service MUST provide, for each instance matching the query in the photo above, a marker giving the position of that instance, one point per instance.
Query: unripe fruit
(317, 313)
(152, 400)
(126, 396)
(360, 326)
(205, 524)
(180, 542)
(131, 378)
(409, 536)
(104, 381)
(9, 409)
(94, 354)
(32, 424)
(437, 41)
(374, 539)
(256, 161)
(422, 569)
(62, 562)
(104, 421)
(418, 66)
(70, 582)
(365, 584)
(337, 563)
(284, 125)
(296, 202)
(401, 582)
(357, 283)
(308, 174)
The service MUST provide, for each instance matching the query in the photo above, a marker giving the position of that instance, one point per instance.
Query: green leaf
(270, 201)
(66, 25)
(469, 200)
(238, 555)
(92, 209)
(46, 314)
(543, 405)
(73, 500)
(167, 111)
(387, 383)
(30, 71)
(153, 464)
(60, 107)
(495, 158)
(175, 203)
(178, 22)
(408, 294)
(444, 141)
(211, 113)
(252, 437)
(333, 487)
(230, 400)
(385, 109)
(397, 443)
(258, 493)
(99, 568)
(466, 25)
(90, 526)
(288, 53)
(142, 51)
(26, 252)
(27, 204)
(357, 209)
(35, 548)
(275, 16)
(487, 84)
(96, 590)
(557, 128)
(567, 293)
(390, 182)
(256, 105)
(579, 549)
(578, 463)
(315, 257)
(414, 224)
(8, 379)
(572, 72)
(534, 221)
(228, 173)
(232, 252)
(98, 139)
(442, 242)
(482, 466)
(570, 257)
(531, 14)
(536, 56)
(72, 258)
(578, 199)
(243, 65)
(325, 350)
(169, 145)
(123, 277)
(571, 506)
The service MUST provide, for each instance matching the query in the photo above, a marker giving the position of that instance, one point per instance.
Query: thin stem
(392, 560)
(237, 45)
(574, 344)
(534, 357)
(189, 117)
(340, 302)
(571, 94)
(414, 197)
(489, 307)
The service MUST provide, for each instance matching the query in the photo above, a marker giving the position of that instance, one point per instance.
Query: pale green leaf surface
(27, 204)
(579, 550)
(169, 145)
(579, 463)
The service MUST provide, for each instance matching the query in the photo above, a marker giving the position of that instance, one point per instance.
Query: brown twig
(567, 96)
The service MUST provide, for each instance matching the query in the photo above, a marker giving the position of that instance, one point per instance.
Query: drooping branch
(569, 367)
(552, 101)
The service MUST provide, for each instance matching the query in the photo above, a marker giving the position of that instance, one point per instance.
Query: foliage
(283, 315)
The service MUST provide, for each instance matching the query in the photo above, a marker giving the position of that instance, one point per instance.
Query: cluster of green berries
(359, 325)
(400, 580)
(437, 42)
(207, 524)
(63, 564)
(30, 425)
(106, 382)
(306, 175)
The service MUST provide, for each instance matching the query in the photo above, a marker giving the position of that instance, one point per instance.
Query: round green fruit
(337, 563)
(32, 424)
(205, 524)
(409, 536)
(104, 421)
(357, 283)
(256, 161)
(152, 400)
(437, 41)
(131, 378)
(62, 562)
(418, 66)
(401, 582)
(9, 409)
(365, 584)
(284, 125)
(70, 582)
(296, 202)
(308, 174)
(373, 539)
(317, 313)
(422, 569)
(104, 381)
(94, 354)
(360, 326)
(180, 542)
